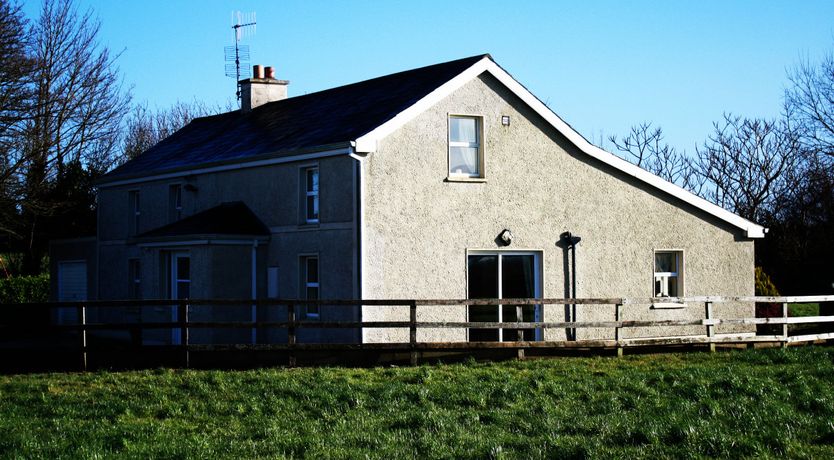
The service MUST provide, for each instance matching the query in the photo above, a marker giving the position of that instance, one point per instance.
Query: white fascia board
(753, 230)
(368, 142)
(229, 167)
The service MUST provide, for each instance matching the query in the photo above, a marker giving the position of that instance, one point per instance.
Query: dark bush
(23, 289)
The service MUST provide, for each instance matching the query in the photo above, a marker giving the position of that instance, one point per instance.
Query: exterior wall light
(505, 120)
(505, 237)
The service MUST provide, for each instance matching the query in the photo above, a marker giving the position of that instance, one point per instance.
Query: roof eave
(283, 156)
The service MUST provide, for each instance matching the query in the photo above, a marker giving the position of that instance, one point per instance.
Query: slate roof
(333, 116)
(233, 218)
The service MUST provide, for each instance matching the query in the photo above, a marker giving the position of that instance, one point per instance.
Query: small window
(135, 211)
(465, 153)
(134, 279)
(310, 287)
(311, 195)
(174, 202)
(668, 277)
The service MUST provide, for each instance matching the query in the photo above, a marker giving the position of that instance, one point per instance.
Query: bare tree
(145, 127)
(809, 103)
(645, 147)
(746, 163)
(15, 100)
(71, 128)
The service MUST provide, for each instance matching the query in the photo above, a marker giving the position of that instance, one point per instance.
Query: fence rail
(182, 325)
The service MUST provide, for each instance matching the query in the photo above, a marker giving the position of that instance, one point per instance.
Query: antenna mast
(243, 25)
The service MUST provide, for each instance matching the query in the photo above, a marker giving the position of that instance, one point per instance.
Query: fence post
(182, 314)
(291, 335)
(710, 327)
(618, 316)
(519, 315)
(82, 335)
(412, 331)
(785, 325)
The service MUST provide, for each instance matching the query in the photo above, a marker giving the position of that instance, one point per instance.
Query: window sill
(477, 180)
(667, 305)
(310, 225)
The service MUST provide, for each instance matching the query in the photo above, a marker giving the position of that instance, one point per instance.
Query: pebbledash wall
(419, 225)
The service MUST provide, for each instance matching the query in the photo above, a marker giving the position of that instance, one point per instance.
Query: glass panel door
(518, 281)
(483, 284)
(503, 275)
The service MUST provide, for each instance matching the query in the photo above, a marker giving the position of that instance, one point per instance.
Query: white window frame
(134, 273)
(479, 145)
(538, 285)
(311, 193)
(135, 203)
(311, 311)
(175, 202)
(664, 276)
(173, 288)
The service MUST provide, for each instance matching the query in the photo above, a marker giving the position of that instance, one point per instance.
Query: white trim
(321, 227)
(254, 308)
(368, 142)
(305, 284)
(164, 244)
(307, 193)
(680, 260)
(479, 145)
(229, 167)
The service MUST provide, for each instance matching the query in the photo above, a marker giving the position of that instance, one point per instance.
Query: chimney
(261, 88)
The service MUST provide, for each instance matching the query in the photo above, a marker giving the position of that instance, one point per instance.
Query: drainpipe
(254, 307)
(570, 241)
(359, 225)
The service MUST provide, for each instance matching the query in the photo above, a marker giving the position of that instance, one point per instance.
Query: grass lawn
(803, 309)
(774, 402)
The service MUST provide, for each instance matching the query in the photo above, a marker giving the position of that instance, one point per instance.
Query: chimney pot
(270, 72)
(257, 71)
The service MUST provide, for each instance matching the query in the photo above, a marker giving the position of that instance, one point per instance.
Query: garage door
(72, 287)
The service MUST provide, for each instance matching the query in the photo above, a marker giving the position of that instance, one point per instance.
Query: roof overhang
(199, 240)
(368, 142)
(231, 165)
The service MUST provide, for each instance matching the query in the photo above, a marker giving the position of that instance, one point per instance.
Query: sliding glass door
(504, 275)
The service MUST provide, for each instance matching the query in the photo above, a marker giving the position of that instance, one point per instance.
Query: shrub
(764, 285)
(21, 289)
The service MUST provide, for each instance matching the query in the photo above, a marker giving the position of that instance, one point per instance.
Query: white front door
(504, 275)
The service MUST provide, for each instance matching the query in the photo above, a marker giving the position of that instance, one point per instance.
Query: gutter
(284, 156)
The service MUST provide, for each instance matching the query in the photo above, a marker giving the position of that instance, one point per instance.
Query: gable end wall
(418, 226)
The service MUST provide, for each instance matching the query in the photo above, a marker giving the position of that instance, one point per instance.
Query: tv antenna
(243, 26)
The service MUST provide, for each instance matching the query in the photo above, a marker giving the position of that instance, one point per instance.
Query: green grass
(754, 403)
(803, 309)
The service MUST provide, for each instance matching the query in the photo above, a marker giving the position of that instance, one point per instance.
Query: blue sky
(601, 65)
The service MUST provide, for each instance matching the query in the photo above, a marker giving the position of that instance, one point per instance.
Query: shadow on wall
(568, 242)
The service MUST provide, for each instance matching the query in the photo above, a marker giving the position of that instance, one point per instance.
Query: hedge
(20, 289)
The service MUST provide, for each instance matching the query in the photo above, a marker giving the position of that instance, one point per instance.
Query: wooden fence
(20, 324)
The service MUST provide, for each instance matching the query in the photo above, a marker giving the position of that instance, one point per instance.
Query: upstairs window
(311, 188)
(668, 275)
(174, 202)
(134, 213)
(465, 152)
